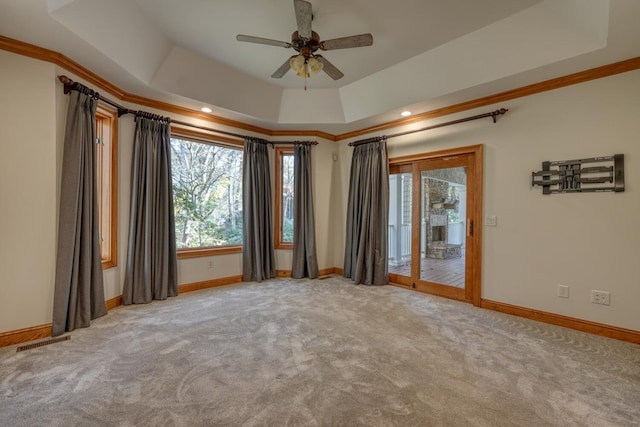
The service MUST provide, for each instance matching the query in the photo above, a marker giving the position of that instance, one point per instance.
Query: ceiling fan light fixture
(298, 65)
(304, 67)
(315, 66)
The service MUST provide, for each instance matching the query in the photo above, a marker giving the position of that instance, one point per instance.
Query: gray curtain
(365, 255)
(305, 261)
(79, 294)
(151, 269)
(258, 256)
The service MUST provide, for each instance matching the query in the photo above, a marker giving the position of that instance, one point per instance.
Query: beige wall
(586, 241)
(28, 223)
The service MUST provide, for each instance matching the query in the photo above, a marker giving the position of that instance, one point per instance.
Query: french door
(434, 213)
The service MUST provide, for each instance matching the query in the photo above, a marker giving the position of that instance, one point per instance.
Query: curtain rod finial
(67, 82)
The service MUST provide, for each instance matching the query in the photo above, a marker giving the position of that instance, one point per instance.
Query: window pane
(287, 198)
(106, 152)
(207, 194)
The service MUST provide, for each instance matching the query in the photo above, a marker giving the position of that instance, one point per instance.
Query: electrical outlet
(563, 291)
(490, 220)
(600, 297)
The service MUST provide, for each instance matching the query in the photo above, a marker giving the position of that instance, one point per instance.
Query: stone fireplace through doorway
(439, 233)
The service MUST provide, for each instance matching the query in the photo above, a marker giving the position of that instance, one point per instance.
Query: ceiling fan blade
(303, 18)
(329, 68)
(277, 74)
(347, 42)
(260, 40)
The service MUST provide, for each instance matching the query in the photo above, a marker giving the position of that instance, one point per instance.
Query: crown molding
(26, 49)
(547, 85)
(316, 133)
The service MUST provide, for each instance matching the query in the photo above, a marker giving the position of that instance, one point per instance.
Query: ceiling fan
(306, 42)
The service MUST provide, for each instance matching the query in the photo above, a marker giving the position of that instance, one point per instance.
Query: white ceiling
(426, 53)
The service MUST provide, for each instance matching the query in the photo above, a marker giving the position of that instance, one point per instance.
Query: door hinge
(469, 227)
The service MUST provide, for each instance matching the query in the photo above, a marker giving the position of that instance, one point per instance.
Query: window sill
(202, 252)
(285, 246)
(107, 264)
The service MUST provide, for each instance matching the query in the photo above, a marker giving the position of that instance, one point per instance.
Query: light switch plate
(563, 291)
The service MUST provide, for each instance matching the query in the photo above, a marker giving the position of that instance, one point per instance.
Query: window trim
(211, 139)
(280, 152)
(204, 137)
(107, 123)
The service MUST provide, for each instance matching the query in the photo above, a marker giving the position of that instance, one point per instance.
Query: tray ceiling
(426, 53)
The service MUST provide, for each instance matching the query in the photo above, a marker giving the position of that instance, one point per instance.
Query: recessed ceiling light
(405, 113)
(205, 109)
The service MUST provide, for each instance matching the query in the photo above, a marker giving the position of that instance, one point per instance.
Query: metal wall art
(570, 176)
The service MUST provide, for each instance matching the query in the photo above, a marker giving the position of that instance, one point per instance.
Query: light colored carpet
(320, 352)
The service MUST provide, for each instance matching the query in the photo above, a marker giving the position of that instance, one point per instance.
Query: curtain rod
(70, 85)
(493, 114)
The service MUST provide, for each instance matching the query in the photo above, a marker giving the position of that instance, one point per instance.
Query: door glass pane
(400, 224)
(443, 232)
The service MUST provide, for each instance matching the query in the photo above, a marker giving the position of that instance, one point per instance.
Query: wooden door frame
(474, 206)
